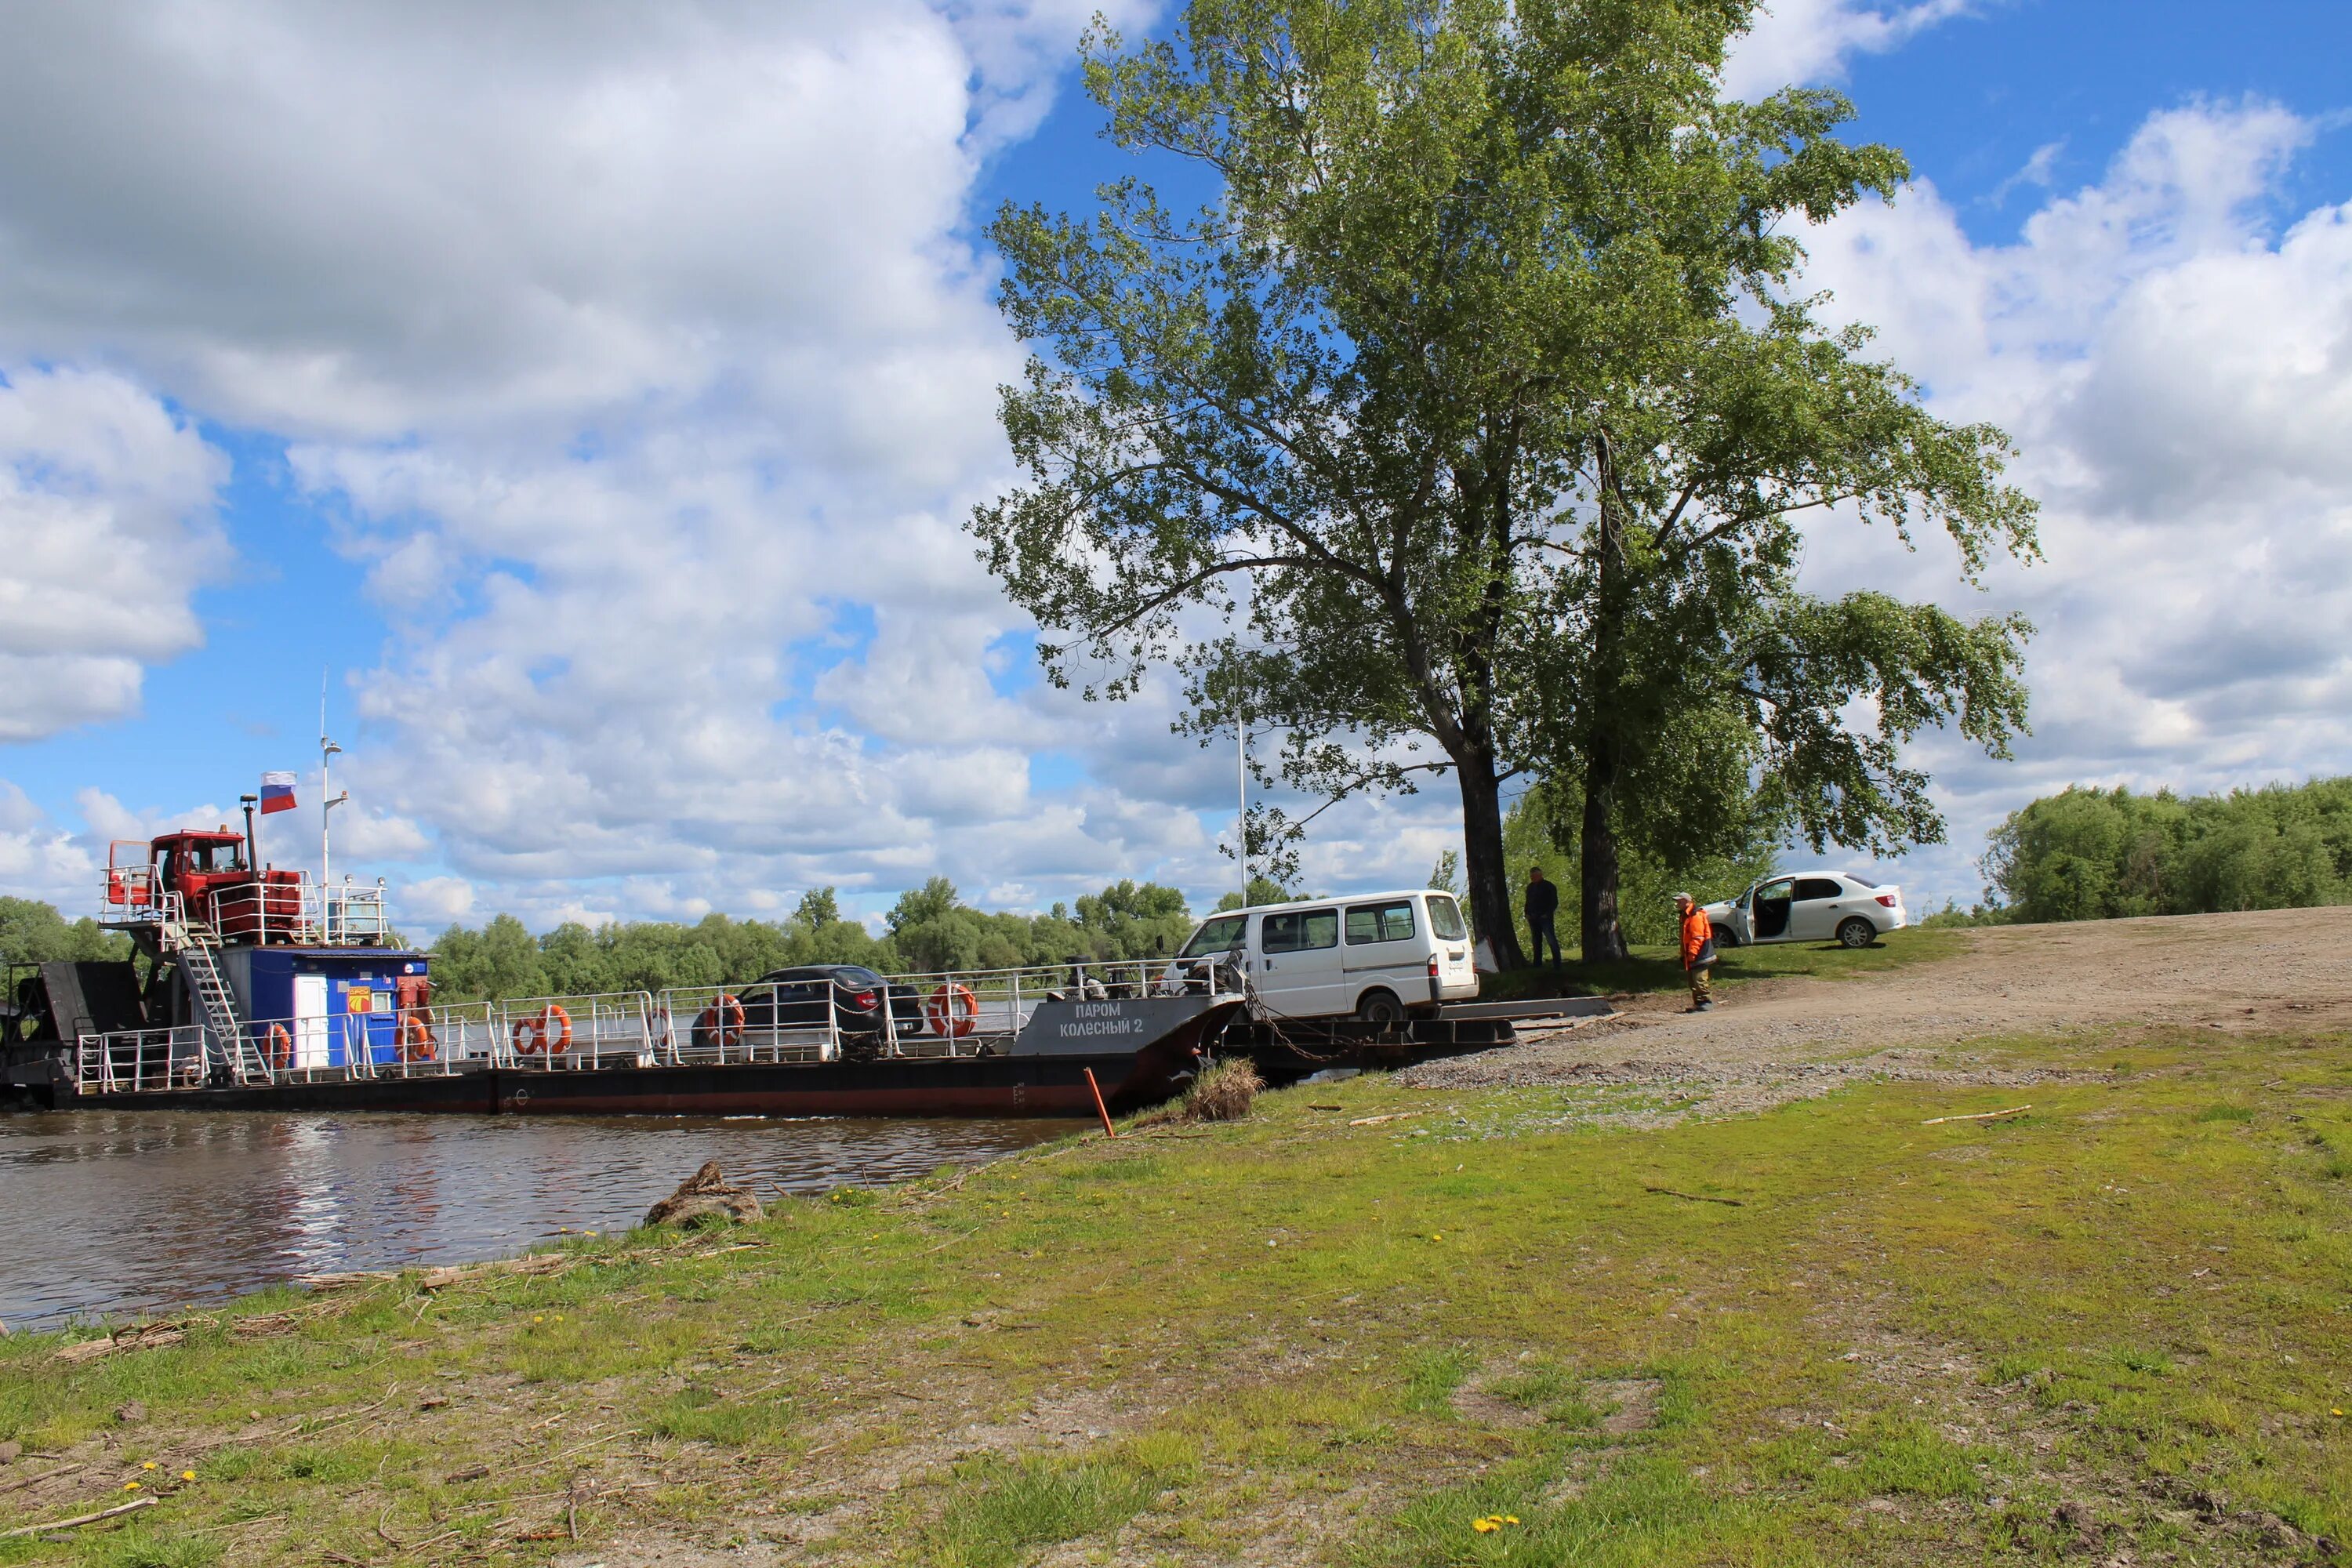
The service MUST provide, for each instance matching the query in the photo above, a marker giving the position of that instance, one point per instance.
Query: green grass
(1660, 968)
(1310, 1341)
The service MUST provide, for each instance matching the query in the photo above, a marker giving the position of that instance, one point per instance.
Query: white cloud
(1807, 41)
(107, 530)
(647, 363)
(2177, 374)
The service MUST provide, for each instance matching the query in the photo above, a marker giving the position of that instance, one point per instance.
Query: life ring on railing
(953, 1010)
(416, 1041)
(548, 1030)
(278, 1047)
(722, 1020)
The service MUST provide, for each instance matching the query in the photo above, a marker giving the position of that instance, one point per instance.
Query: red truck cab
(215, 885)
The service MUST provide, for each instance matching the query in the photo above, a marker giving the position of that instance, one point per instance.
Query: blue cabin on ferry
(341, 1004)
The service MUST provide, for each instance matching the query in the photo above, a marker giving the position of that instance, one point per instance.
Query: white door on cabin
(311, 1020)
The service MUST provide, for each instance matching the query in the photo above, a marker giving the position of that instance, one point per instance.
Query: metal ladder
(193, 944)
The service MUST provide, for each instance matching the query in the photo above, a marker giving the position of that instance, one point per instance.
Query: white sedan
(1809, 906)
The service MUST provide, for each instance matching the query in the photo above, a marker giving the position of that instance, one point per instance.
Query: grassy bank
(1651, 969)
(1828, 1333)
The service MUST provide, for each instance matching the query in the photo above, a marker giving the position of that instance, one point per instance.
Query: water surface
(118, 1211)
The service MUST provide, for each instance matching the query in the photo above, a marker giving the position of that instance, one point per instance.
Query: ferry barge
(262, 989)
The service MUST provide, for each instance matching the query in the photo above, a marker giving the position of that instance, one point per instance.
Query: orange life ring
(416, 1041)
(550, 1030)
(278, 1047)
(953, 1010)
(723, 1019)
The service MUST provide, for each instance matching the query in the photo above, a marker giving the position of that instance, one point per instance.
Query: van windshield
(1220, 935)
(1445, 919)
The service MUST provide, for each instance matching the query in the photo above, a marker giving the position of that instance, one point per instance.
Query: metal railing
(140, 1061)
(951, 1013)
(716, 1024)
(352, 915)
(288, 906)
(561, 1033)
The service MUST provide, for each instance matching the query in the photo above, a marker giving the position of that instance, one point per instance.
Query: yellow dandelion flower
(1510, 1518)
(537, 1318)
(1437, 1236)
(187, 1475)
(147, 1464)
(1485, 1526)
(131, 1486)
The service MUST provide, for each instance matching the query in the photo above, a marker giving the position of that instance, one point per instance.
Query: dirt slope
(2275, 969)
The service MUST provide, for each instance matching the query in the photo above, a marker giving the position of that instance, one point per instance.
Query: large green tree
(1470, 427)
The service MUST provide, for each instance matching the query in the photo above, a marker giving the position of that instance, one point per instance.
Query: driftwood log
(706, 1195)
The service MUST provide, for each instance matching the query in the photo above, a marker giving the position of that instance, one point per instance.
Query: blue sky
(595, 405)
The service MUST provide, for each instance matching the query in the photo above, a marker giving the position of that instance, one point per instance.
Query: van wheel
(1380, 1009)
(1856, 933)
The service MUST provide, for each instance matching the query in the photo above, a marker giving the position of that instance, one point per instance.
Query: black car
(849, 995)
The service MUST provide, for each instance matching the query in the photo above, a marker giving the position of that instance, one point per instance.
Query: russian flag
(277, 793)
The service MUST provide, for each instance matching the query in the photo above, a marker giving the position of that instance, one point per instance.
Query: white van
(1373, 956)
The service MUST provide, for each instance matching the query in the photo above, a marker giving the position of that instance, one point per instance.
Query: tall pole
(327, 803)
(1240, 793)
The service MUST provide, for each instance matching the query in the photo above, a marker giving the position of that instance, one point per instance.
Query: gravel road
(1772, 1040)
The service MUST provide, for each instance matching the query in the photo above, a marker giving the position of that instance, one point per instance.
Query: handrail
(276, 906)
(560, 1032)
(714, 1025)
(140, 1061)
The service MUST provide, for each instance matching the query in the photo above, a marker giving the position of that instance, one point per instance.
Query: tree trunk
(1602, 936)
(1482, 860)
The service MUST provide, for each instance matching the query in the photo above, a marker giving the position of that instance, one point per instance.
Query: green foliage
(32, 932)
(1540, 830)
(1483, 398)
(2093, 853)
(930, 930)
(1262, 890)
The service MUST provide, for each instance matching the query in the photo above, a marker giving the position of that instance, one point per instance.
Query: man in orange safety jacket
(1698, 951)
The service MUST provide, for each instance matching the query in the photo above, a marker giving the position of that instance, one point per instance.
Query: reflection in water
(117, 1211)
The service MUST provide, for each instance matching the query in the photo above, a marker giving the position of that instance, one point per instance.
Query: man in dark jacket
(1543, 903)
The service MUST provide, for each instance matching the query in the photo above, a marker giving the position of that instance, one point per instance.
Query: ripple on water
(119, 1211)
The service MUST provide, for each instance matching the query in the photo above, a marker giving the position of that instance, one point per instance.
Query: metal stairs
(193, 944)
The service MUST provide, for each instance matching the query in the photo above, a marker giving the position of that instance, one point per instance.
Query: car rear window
(1379, 922)
(1220, 935)
(854, 977)
(1303, 930)
(1445, 917)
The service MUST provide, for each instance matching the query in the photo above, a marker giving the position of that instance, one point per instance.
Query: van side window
(1302, 931)
(1445, 919)
(1380, 922)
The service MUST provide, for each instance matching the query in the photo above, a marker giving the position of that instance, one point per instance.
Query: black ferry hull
(1046, 1084)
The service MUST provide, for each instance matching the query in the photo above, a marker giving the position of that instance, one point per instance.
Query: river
(113, 1212)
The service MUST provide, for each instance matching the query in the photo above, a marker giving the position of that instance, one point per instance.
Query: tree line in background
(32, 932)
(2093, 854)
(928, 930)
